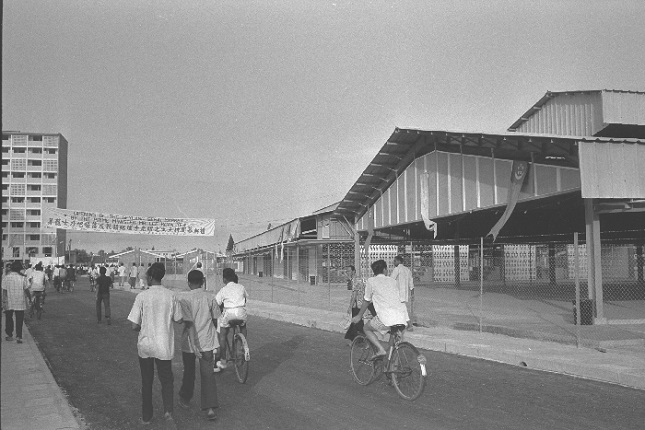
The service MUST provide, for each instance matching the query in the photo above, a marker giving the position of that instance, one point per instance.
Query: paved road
(299, 379)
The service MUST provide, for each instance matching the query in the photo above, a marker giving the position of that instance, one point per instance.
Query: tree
(231, 244)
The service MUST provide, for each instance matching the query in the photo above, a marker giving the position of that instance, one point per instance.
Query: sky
(258, 112)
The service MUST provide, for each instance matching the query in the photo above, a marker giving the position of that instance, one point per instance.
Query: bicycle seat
(233, 323)
(397, 327)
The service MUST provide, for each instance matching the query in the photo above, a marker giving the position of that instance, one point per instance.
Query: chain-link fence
(523, 287)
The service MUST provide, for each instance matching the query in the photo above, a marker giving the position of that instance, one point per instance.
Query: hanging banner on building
(110, 223)
(518, 177)
(425, 204)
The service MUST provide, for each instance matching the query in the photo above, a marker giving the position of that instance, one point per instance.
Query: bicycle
(403, 364)
(237, 351)
(36, 304)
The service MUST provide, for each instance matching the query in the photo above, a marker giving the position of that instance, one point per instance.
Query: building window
(33, 199)
(5, 149)
(50, 165)
(18, 164)
(49, 190)
(50, 175)
(17, 200)
(5, 174)
(33, 224)
(5, 186)
(33, 212)
(17, 175)
(33, 187)
(50, 141)
(50, 199)
(47, 250)
(16, 252)
(18, 150)
(35, 175)
(5, 161)
(18, 189)
(31, 251)
(4, 225)
(36, 150)
(36, 138)
(19, 139)
(5, 199)
(17, 214)
(33, 237)
(35, 163)
(5, 212)
(51, 151)
(17, 224)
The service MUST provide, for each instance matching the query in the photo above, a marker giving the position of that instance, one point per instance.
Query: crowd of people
(205, 316)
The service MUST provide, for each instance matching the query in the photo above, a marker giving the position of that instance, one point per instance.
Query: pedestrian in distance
(133, 275)
(405, 282)
(57, 281)
(71, 277)
(152, 315)
(199, 340)
(142, 276)
(122, 274)
(14, 289)
(103, 285)
(62, 274)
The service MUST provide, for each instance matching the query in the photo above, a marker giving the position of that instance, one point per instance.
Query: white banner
(110, 223)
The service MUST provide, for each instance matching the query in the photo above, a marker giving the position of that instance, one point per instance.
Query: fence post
(481, 281)
(577, 282)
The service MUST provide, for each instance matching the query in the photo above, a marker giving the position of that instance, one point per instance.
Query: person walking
(142, 276)
(57, 285)
(103, 285)
(71, 277)
(199, 340)
(14, 288)
(405, 282)
(62, 275)
(133, 275)
(152, 315)
(122, 274)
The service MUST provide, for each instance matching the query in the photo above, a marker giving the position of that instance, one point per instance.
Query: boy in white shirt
(152, 315)
(199, 339)
(232, 297)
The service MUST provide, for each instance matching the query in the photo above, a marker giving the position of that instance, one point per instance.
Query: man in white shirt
(199, 339)
(152, 315)
(122, 275)
(405, 282)
(133, 275)
(381, 290)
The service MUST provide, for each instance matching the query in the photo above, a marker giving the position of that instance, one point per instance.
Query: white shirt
(133, 271)
(199, 307)
(154, 310)
(37, 280)
(404, 281)
(121, 270)
(383, 292)
(232, 295)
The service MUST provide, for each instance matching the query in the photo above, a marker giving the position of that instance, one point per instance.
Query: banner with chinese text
(110, 223)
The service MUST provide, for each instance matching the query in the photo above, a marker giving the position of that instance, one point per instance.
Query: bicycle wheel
(408, 371)
(240, 352)
(363, 369)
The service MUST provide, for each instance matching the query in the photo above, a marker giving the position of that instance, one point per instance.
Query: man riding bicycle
(232, 297)
(384, 293)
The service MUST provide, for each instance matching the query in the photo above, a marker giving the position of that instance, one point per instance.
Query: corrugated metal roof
(588, 113)
(405, 145)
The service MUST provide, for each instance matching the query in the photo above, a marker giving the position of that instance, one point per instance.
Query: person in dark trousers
(199, 340)
(355, 303)
(14, 288)
(103, 285)
(152, 315)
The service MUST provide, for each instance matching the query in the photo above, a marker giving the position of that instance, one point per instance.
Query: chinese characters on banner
(110, 223)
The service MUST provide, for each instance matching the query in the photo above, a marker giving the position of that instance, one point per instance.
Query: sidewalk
(31, 399)
(618, 366)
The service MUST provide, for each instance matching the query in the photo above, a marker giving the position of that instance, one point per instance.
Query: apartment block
(34, 178)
